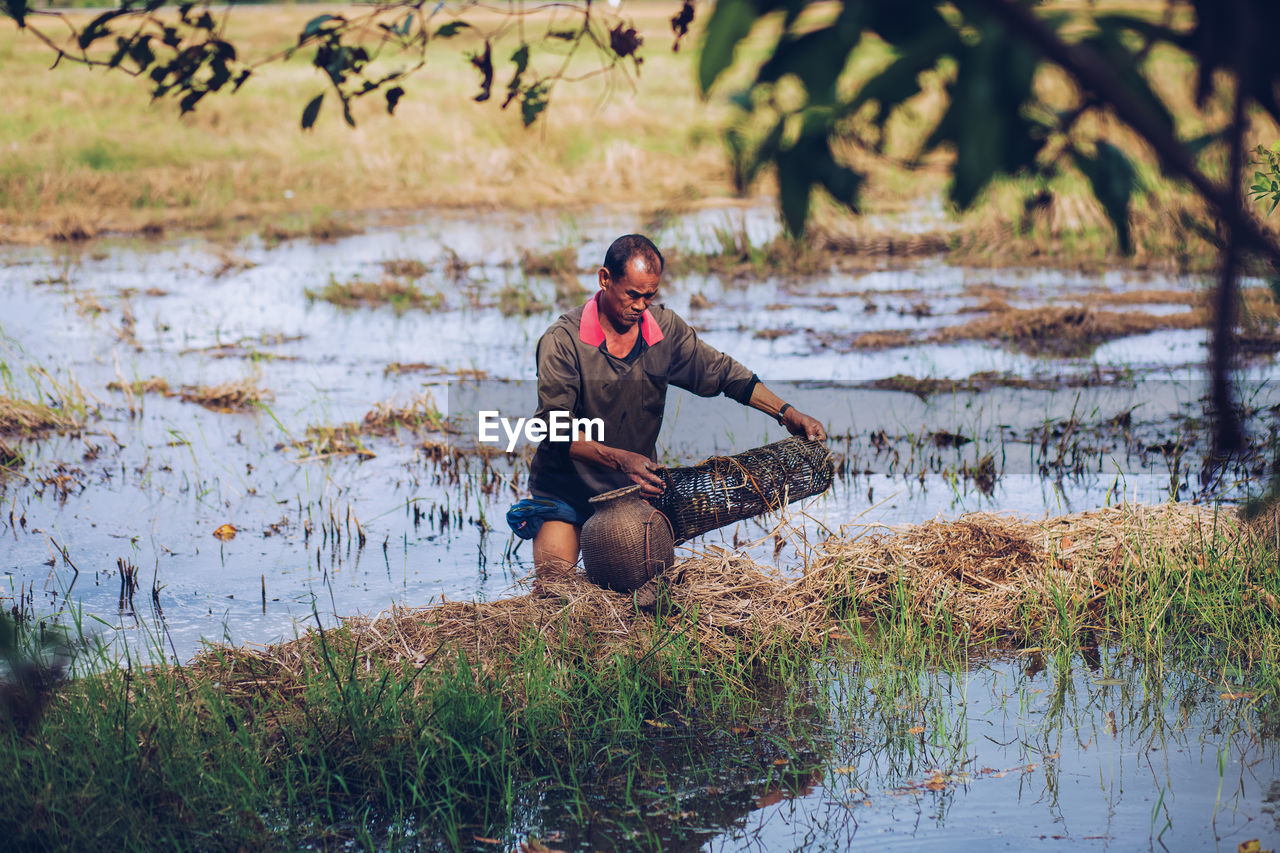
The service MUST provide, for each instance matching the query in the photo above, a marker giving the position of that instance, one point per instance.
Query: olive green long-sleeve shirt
(577, 374)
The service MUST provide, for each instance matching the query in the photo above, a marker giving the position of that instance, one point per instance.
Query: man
(613, 359)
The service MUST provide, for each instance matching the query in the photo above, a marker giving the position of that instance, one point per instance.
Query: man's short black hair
(627, 247)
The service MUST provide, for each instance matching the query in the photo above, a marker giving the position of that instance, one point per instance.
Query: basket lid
(616, 493)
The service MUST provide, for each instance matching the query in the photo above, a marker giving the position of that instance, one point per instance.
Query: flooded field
(274, 435)
(1102, 754)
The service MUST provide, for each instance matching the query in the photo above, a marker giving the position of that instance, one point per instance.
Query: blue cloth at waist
(525, 517)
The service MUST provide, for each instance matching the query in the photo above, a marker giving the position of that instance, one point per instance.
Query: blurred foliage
(995, 122)
(185, 52)
(34, 656)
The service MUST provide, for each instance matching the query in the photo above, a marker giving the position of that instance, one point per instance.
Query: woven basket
(626, 541)
(725, 489)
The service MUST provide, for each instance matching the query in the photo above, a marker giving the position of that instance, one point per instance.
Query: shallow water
(152, 478)
(1006, 755)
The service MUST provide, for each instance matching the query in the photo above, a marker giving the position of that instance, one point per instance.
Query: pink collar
(591, 333)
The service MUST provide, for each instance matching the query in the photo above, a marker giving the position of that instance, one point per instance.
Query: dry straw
(236, 395)
(22, 417)
(992, 574)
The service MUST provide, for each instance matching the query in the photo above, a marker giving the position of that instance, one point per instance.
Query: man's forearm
(595, 453)
(639, 468)
(765, 400)
(796, 422)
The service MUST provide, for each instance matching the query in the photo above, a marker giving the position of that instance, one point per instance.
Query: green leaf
(841, 183)
(394, 94)
(451, 29)
(817, 58)
(311, 111)
(1113, 179)
(17, 9)
(140, 52)
(1124, 67)
(484, 64)
(730, 23)
(905, 22)
(521, 60)
(794, 182)
(97, 28)
(900, 80)
(189, 101)
(985, 120)
(314, 26)
(1148, 29)
(533, 102)
(807, 162)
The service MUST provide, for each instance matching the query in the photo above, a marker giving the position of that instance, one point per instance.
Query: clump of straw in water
(22, 417)
(154, 385)
(234, 396)
(421, 411)
(1064, 330)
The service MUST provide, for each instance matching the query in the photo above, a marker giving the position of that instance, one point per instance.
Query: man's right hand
(642, 471)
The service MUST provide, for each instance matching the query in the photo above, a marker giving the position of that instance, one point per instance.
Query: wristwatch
(782, 411)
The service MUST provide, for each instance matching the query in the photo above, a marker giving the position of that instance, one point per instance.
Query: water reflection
(1122, 755)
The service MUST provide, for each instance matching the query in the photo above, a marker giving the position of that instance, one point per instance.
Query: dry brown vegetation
(340, 440)
(153, 385)
(993, 574)
(405, 267)
(324, 228)
(10, 457)
(236, 395)
(23, 417)
(989, 575)
(401, 367)
(421, 411)
(395, 292)
(562, 261)
(383, 419)
(1194, 298)
(1063, 331)
(882, 340)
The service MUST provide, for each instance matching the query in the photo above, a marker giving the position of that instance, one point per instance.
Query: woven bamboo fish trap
(626, 541)
(725, 489)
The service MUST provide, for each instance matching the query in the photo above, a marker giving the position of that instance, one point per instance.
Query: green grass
(132, 757)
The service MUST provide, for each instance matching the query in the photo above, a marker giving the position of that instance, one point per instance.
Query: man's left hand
(798, 423)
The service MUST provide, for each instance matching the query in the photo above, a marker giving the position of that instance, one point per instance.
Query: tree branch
(1229, 435)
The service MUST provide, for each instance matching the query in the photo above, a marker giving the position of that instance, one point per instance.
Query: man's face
(624, 300)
